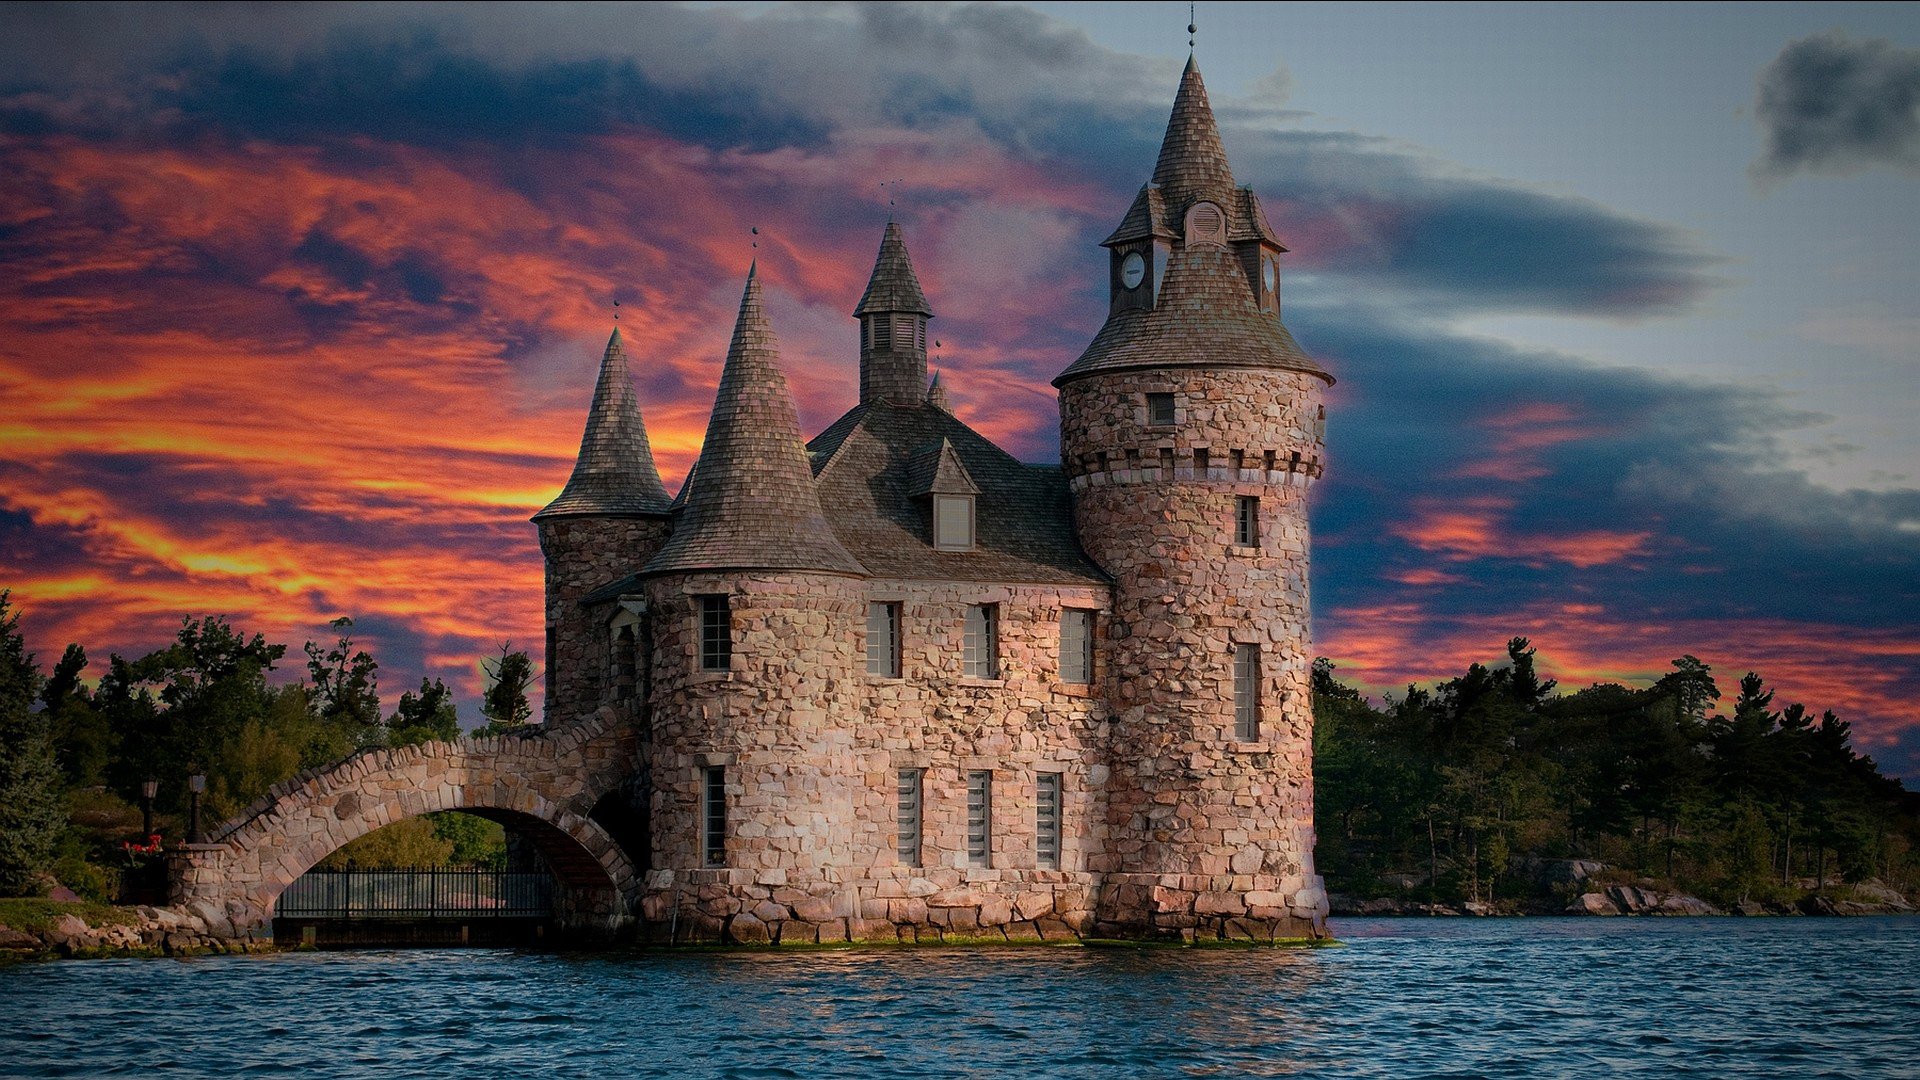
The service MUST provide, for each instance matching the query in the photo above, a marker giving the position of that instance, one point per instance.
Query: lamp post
(196, 784)
(148, 789)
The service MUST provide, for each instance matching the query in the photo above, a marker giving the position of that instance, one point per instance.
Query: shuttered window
(1076, 646)
(714, 842)
(903, 331)
(907, 829)
(982, 659)
(953, 522)
(980, 818)
(883, 640)
(1246, 523)
(1246, 692)
(1046, 821)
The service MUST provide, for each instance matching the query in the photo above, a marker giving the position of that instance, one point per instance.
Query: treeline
(1461, 793)
(214, 703)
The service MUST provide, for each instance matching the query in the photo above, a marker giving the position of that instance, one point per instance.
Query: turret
(893, 316)
(611, 517)
(1190, 435)
(754, 611)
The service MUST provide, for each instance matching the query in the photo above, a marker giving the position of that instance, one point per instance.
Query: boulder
(11, 939)
(1686, 905)
(1592, 903)
(748, 930)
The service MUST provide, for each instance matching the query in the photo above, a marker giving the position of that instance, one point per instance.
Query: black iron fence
(417, 894)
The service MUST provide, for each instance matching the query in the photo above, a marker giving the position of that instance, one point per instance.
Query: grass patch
(35, 914)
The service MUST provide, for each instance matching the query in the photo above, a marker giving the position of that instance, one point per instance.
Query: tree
(505, 701)
(427, 716)
(31, 813)
(346, 687)
(82, 741)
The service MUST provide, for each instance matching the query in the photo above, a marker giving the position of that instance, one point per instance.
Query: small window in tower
(980, 818)
(1246, 692)
(1046, 821)
(882, 330)
(713, 842)
(903, 330)
(907, 820)
(883, 640)
(982, 642)
(1160, 410)
(1320, 425)
(953, 522)
(1246, 521)
(716, 633)
(626, 651)
(1076, 646)
(919, 333)
(1206, 224)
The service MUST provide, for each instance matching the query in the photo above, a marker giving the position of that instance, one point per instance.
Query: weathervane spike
(1191, 23)
(755, 230)
(616, 311)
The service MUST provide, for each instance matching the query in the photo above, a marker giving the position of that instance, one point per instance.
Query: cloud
(1831, 104)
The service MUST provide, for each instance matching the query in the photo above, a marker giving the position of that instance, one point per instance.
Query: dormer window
(953, 522)
(1206, 225)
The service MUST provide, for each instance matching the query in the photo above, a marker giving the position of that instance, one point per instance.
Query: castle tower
(893, 315)
(755, 610)
(1191, 433)
(612, 516)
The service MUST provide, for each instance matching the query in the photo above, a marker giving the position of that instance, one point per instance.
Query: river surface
(1402, 997)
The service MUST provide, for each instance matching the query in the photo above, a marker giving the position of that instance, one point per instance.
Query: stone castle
(893, 683)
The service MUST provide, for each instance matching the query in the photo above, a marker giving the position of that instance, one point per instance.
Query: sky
(300, 306)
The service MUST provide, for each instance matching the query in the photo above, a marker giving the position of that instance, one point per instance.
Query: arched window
(1206, 225)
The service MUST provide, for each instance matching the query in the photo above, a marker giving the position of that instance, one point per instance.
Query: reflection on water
(1522, 997)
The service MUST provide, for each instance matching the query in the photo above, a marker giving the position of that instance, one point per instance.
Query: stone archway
(543, 784)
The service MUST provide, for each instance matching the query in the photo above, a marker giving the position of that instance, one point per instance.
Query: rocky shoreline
(1645, 898)
(145, 931)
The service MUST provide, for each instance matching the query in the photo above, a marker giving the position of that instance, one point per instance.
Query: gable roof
(872, 464)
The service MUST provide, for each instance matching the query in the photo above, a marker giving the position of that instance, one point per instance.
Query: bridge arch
(543, 785)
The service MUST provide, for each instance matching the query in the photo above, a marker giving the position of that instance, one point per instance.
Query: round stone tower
(1191, 432)
(756, 614)
(612, 516)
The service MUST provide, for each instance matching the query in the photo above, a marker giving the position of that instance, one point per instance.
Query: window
(716, 634)
(1246, 692)
(1206, 224)
(983, 641)
(1320, 425)
(883, 640)
(1160, 410)
(980, 818)
(1076, 646)
(882, 331)
(625, 652)
(1046, 821)
(907, 828)
(1246, 520)
(714, 842)
(953, 522)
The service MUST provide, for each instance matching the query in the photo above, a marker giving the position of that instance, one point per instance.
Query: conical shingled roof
(614, 476)
(749, 502)
(1205, 316)
(893, 286)
(1192, 162)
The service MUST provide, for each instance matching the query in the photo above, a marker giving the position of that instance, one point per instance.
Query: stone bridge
(546, 786)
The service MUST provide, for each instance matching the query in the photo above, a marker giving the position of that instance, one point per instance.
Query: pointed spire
(893, 286)
(1192, 162)
(937, 395)
(614, 476)
(750, 501)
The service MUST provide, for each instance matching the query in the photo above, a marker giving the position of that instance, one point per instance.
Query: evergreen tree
(31, 813)
(82, 740)
(427, 716)
(505, 702)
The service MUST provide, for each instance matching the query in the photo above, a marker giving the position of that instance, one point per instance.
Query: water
(1410, 997)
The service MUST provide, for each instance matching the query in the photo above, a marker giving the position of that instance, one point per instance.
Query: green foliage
(476, 841)
(505, 702)
(410, 842)
(32, 814)
(1463, 792)
(346, 687)
(427, 716)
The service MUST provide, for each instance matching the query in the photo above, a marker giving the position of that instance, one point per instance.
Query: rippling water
(1409, 997)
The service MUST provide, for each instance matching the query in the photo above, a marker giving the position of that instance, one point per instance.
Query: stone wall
(583, 554)
(1208, 828)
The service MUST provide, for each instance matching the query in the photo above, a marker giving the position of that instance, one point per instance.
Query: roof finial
(616, 311)
(1191, 21)
(892, 188)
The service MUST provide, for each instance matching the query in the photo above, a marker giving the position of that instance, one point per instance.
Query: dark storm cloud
(1829, 103)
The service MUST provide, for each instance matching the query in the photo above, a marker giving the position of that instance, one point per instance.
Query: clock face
(1133, 270)
(1270, 274)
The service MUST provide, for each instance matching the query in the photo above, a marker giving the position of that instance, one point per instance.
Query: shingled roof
(750, 500)
(1193, 164)
(874, 465)
(614, 476)
(893, 286)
